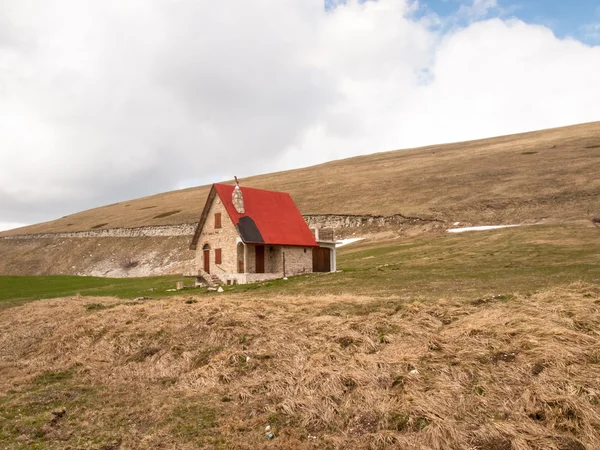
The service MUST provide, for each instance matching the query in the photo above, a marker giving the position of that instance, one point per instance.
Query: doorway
(206, 255)
(260, 259)
(321, 259)
(240, 257)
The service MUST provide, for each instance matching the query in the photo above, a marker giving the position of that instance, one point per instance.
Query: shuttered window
(217, 256)
(217, 220)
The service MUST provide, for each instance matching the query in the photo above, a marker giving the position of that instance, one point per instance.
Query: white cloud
(478, 9)
(10, 225)
(102, 101)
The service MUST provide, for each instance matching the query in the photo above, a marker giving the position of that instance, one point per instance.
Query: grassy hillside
(470, 265)
(483, 340)
(544, 174)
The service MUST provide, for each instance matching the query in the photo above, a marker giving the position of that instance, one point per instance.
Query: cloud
(478, 9)
(104, 101)
(10, 225)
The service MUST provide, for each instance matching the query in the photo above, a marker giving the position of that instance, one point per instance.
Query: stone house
(246, 234)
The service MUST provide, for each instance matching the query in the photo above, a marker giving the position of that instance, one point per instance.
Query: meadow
(482, 340)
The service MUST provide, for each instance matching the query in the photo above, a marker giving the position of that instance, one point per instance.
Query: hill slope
(530, 176)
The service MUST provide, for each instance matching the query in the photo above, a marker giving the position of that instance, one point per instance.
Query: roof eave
(209, 200)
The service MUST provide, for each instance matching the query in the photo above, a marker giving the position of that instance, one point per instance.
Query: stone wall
(298, 260)
(184, 229)
(273, 259)
(337, 221)
(223, 238)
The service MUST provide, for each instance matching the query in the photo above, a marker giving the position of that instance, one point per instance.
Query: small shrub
(537, 368)
(398, 382)
(97, 306)
(345, 341)
(168, 381)
(129, 263)
(142, 354)
(204, 357)
(167, 214)
(100, 225)
(147, 207)
(349, 384)
(528, 153)
(399, 421)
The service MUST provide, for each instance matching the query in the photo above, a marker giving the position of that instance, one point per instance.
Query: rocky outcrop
(185, 229)
(334, 221)
(337, 221)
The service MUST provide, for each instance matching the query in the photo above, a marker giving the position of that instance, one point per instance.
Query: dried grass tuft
(499, 375)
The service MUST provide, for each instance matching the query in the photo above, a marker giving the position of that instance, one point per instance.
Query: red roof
(274, 213)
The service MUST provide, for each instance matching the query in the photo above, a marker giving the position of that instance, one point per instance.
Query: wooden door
(321, 259)
(207, 260)
(260, 259)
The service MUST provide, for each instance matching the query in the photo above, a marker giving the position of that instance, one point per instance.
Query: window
(217, 256)
(217, 220)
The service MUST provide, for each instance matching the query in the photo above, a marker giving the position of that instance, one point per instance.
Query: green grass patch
(15, 290)
(52, 403)
(490, 265)
(193, 420)
(53, 377)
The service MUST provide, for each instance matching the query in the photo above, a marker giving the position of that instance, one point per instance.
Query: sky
(107, 101)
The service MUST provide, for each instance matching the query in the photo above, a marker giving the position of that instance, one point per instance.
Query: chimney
(237, 198)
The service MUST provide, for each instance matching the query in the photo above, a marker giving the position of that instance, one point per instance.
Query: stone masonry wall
(335, 221)
(298, 260)
(184, 229)
(223, 238)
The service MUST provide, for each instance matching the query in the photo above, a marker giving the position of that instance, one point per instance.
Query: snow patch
(482, 228)
(343, 242)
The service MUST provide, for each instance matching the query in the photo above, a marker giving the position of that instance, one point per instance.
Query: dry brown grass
(529, 176)
(496, 373)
